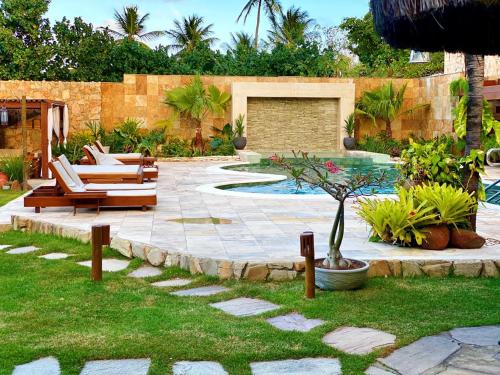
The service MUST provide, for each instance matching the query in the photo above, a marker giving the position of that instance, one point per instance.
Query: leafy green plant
(382, 145)
(239, 127)
(176, 147)
(97, 131)
(350, 124)
(150, 142)
(12, 167)
(127, 136)
(74, 147)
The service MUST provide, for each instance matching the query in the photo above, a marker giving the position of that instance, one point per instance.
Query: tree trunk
(388, 129)
(198, 139)
(474, 65)
(257, 27)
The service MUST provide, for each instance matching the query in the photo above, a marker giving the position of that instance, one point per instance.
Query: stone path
(245, 306)
(23, 250)
(203, 291)
(43, 366)
(358, 341)
(198, 368)
(466, 351)
(117, 367)
(294, 322)
(172, 283)
(109, 265)
(313, 366)
(145, 271)
(54, 256)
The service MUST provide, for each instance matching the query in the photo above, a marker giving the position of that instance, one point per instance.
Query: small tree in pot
(239, 140)
(349, 125)
(334, 272)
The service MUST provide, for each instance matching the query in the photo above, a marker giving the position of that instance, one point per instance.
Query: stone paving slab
(203, 291)
(487, 335)
(422, 355)
(360, 341)
(23, 250)
(54, 256)
(117, 367)
(109, 265)
(372, 370)
(172, 283)
(145, 271)
(476, 359)
(294, 322)
(43, 366)
(198, 368)
(245, 306)
(2, 247)
(306, 366)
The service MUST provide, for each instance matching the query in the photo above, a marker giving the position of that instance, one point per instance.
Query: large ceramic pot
(327, 279)
(349, 143)
(437, 237)
(240, 143)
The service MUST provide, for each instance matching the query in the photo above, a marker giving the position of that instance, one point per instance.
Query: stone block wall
(455, 63)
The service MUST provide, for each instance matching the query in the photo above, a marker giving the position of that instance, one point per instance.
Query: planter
(3, 178)
(240, 143)
(437, 237)
(6, 187)
(327, 279)
(349, 143)
(466, 239)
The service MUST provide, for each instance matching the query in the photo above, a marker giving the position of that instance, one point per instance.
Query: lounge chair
(95, 157)
(127, 158)
(100, 186)
(68, 193)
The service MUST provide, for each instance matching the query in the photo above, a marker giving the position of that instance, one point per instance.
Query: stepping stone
(201, 292)
(245, 306)
(475, 360)
(54, 256)
(198, 368)
(23, 250)
(482, 336)
(2, 247)
(109, 265)
(145, 271)
(316, 366)
(294, 322)
(359, 341)
(172, 283)
(421, 355)
(44, 366)
(372, 370)
(117, 367)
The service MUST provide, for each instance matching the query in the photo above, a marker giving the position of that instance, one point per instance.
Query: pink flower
(332, 168)
(274, 158)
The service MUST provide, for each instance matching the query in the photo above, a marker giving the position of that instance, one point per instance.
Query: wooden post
(25, 141)
(100, 237)
(307, 251)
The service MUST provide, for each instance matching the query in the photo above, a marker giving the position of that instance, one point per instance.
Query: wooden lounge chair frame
(61, 195)
(148, 161)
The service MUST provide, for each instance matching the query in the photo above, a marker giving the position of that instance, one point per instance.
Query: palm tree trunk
(474, 66)
(257, 27)
(388, 129)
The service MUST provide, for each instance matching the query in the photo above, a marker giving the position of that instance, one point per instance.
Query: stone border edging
(260, 271)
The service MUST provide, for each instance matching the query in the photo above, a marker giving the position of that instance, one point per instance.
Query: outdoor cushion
(69, 169)
(150, 169)
(105, 187)
(68, 181)
(133, 155)
(132, 193)
(106, 169)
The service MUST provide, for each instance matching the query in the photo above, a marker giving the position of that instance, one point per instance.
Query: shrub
(382, 144)
(126, 137)
(13, 167)
(150, 142)
(74, 147)
(177, 147)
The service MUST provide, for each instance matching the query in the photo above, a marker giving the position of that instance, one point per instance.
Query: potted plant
(349, 125)
(333, 272)
(239, 140)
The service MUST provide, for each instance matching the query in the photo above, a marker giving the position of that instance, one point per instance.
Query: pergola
(44, 106)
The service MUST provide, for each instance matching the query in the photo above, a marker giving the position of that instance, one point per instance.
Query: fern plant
(350, 124)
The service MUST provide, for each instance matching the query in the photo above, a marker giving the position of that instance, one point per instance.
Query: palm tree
(195, 101)
(291, 28)
(190, 32)
(131, 25)
(241, 40)
(385, 103)
(271, 7)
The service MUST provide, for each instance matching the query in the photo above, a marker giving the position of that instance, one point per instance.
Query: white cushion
(106, 159)
(106, 169)
(150, 169)
(131, 193)
(69, 169)
(126, 156)
(106, 187)
(66, 178)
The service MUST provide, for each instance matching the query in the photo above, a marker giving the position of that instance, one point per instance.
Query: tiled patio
(260, 229)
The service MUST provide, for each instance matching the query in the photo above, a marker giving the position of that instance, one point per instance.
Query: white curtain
(65, 124)
(57, 123)
(50, 129)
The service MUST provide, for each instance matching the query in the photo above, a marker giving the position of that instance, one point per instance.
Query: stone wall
(455, 63)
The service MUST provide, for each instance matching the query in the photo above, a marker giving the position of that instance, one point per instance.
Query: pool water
(350, 167)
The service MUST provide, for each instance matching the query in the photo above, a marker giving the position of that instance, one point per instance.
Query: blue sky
(221, 13)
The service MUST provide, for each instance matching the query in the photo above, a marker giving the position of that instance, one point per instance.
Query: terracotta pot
(466, 239)
(3, 178)
(437, 237)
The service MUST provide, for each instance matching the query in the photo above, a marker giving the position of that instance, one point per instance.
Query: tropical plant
(195, 101)
(127, 136)
(97, 131)
(291, 27)
(12, 167)
(350, 124)
(73, 149)
(190, 32)
(239, 126)
(131, 26)
(176, 147)
(271, 7)
(151, 141)
(241, 41)
(460, 88)
(385, 103)
(324, 175)
(382, 145)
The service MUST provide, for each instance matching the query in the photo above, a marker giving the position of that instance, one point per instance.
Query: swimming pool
(350, 166)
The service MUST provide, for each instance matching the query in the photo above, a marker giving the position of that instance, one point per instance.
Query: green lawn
(52, 308)
(7, 195)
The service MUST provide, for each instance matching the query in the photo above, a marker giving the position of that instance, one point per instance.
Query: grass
(51, 308)
(8, 195)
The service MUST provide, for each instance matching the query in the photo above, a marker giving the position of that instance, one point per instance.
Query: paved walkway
(255, 228)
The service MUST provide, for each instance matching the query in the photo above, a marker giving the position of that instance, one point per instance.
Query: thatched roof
(471, 26)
